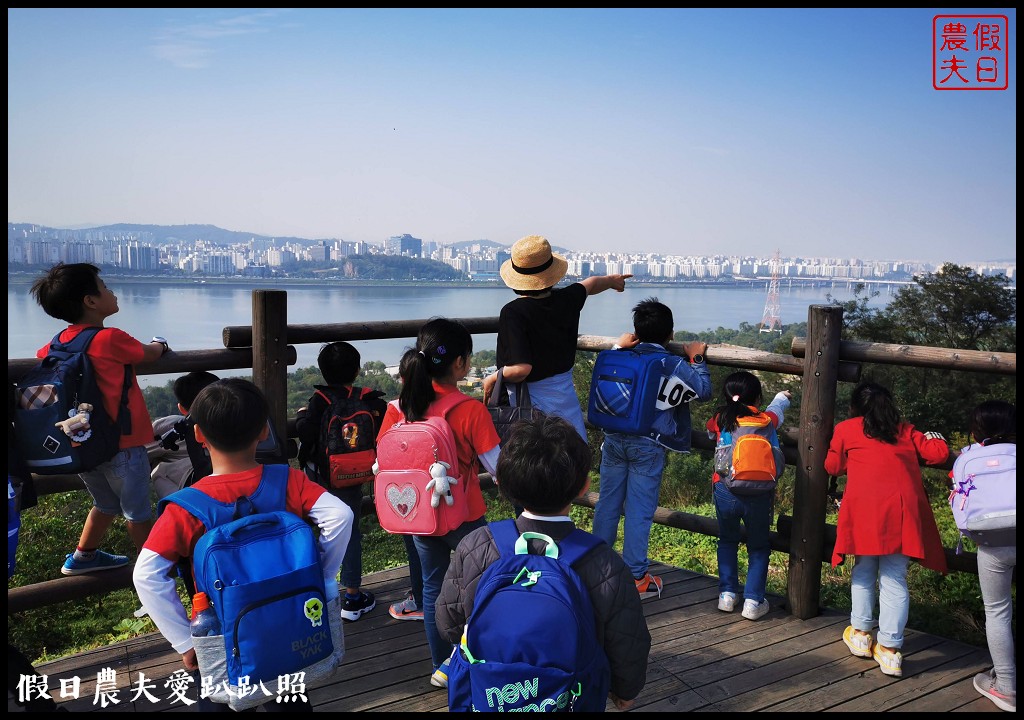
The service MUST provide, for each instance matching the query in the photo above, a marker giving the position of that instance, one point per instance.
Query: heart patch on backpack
(402, 499)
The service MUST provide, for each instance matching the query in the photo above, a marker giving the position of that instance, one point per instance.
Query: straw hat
(533, 266)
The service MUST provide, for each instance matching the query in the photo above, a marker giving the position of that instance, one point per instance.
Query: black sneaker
(352, 608)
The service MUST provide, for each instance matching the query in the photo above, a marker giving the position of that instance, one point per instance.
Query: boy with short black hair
(180, 459)
(75, 294)
(339, 363)
(632, 465)
(231, 419)
(543, 467)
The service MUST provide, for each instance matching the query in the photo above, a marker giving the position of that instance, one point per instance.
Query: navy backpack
(60, 387)
(531, 641)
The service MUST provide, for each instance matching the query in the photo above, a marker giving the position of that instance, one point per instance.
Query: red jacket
(885, 508)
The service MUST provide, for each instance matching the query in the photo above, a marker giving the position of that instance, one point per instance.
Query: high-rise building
(404, 245)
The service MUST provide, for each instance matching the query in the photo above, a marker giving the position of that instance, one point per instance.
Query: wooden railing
(821, 360)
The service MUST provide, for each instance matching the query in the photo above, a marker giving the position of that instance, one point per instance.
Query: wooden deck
(701, 659)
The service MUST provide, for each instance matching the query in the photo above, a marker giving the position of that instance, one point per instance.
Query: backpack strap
(505, 534)
(444, 404)
(269, 495)
(575, 545)
(354, 393)
(570, 549)
(322, 392)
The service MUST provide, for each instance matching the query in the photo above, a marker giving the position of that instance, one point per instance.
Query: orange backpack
(748, 459)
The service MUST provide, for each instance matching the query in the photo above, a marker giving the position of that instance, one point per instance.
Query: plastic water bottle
(204, 618)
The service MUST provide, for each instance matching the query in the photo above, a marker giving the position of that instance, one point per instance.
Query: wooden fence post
(817, 416)
(270, 353)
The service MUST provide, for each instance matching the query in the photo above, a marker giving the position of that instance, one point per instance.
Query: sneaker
(353, 608)
(406, 610)
(648, 586)
(727, 601)
(891, 662)
(440, 676)
(985, 683)
(858, 642)
(102, 561)
(755, 611)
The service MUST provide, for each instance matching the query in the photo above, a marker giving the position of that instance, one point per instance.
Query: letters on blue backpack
(629, 386)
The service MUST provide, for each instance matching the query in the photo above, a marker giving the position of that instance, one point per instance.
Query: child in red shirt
(431, 371)
(75, 294)
(230, 419)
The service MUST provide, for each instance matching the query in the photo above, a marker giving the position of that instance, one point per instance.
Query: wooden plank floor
(701, 659)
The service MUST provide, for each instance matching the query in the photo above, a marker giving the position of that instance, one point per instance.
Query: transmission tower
(770, 321)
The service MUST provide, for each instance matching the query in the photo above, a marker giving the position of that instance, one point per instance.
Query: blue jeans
(435, 556)
(415, 571)
(755, 512)
(995, 575)
(890, 572)
(121, 486)
(631, 469)
(352, 563)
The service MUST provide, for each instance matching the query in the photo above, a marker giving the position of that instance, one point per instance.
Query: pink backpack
(417, 489)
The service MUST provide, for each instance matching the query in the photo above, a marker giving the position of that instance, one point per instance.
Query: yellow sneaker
(891, 662)
(858, 642)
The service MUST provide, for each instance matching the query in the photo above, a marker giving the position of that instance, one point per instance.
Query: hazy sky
(816, 132)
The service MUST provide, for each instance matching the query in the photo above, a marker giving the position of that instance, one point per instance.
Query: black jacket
(621, 625)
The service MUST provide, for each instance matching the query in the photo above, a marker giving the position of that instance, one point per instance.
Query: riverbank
(27, 278)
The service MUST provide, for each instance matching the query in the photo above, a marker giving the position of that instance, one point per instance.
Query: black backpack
(63, 388)
(347, 442)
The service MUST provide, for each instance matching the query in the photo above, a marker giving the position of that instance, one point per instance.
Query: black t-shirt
(542, 331)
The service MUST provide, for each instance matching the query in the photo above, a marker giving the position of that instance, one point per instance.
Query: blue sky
(814, 132)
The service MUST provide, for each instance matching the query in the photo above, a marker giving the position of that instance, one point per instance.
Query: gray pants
(995, 573)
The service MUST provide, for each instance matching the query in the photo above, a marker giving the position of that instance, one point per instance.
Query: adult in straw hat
(537, 332)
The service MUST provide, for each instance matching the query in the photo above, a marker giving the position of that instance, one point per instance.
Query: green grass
(48, 532)
(949, 606)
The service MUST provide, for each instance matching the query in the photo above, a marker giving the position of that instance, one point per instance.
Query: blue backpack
(13, 527)
(629, 385)
(260, 567)
(531, 641)
(57, 389)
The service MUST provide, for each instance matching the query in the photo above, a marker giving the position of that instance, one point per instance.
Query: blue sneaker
(102, 561)
(440, 676)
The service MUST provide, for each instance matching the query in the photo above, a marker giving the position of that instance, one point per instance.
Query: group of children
(885, 520)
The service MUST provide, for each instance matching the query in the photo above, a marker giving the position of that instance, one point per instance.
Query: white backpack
(984, 495)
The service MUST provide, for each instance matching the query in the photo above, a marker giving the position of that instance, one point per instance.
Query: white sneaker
(755, 611)
(727, 601)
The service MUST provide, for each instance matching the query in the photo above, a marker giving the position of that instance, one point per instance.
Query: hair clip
(735, 398)
(441, 350)
(436, 360)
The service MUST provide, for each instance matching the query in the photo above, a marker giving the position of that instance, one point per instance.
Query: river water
(192, 315)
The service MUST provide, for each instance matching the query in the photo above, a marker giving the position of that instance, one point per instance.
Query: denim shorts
(121, 486)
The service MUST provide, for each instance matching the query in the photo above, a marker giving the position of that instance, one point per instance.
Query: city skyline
(208, 250)
(814, 132)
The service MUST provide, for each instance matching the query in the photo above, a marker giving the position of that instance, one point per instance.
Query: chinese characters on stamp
(970, 52)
